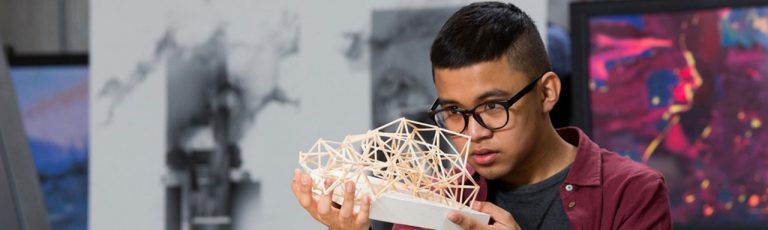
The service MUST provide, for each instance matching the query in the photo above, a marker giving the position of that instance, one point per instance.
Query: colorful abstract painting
(687, 93)
(53, 101)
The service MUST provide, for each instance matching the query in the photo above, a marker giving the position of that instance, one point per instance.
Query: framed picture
(681, 86)
(52, 97)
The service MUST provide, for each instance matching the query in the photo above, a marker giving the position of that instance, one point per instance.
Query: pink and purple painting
(687, 93)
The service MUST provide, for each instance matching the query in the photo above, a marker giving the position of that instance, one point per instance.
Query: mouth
(484, 156)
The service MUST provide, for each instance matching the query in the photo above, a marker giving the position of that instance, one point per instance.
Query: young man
(495, 84)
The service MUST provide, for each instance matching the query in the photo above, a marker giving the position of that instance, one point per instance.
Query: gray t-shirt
(535, 206)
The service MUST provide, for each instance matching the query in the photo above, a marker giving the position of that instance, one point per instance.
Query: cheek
(511, 140)
(524, 117)
(458, 143)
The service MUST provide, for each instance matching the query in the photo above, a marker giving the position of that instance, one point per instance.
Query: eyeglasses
(492, 115)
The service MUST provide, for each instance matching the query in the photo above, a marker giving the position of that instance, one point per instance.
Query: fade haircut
(484, 31)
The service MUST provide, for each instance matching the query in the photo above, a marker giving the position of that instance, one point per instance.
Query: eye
(493, 106)
(453, 110)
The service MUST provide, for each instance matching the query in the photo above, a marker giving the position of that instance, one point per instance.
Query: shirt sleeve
(645, 204)
(404, 227)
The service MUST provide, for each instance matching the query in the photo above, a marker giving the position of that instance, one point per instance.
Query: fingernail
(453, 217)
(304, 180)
(348, 187)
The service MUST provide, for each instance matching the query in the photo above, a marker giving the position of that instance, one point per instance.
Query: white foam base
(403, 209)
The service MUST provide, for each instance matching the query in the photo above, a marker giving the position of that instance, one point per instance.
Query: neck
(549, 155)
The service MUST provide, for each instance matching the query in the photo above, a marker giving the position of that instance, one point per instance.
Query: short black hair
(484, 31)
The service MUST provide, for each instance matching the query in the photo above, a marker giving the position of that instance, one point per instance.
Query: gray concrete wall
(45, 26)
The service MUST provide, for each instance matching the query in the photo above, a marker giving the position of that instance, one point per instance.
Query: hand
(322, 209)
(503, 219)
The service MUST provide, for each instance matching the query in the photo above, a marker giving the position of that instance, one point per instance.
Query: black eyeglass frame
(465, 113)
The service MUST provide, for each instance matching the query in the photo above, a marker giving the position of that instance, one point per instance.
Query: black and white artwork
(401, 84)
(220, 72)
(216, 88)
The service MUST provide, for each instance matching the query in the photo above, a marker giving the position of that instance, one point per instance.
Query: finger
(349, 201)
(330, 181)
(329, 185)
(497, 213)
(305, 192)
(462, 221)
(362, 216)
(324, 205)
(295, 182)
(296, 175)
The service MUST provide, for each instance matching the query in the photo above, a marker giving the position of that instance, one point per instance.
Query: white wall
(127, 156)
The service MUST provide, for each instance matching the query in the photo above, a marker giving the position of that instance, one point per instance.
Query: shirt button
(569, 187)
(573, 203)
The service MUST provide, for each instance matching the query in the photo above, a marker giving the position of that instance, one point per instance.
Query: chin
(490, 172)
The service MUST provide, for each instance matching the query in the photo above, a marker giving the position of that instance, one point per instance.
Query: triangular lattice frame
(404, 156)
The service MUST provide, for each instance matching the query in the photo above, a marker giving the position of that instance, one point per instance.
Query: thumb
(498, 214)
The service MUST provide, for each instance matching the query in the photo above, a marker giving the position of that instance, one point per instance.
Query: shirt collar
(586, 167)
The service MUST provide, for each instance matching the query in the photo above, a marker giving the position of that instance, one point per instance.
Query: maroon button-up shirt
(604, 190)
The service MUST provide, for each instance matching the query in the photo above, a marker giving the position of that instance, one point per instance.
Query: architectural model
(411, 171)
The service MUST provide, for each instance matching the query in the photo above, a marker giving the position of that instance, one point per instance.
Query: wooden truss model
(404, 158)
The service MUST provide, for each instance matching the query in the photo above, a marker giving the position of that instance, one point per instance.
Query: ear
(549, 91)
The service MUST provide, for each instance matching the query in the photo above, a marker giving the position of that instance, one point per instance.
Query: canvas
(682, 87)
(53, 100)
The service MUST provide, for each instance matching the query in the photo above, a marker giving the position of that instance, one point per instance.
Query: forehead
(465, 85)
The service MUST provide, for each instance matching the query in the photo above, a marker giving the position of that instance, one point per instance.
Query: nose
(476, 131)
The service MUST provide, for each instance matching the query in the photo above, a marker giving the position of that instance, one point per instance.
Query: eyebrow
(482, 97)
(493, 93)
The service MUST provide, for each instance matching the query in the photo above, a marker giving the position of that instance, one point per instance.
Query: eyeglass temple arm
(523, 92)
